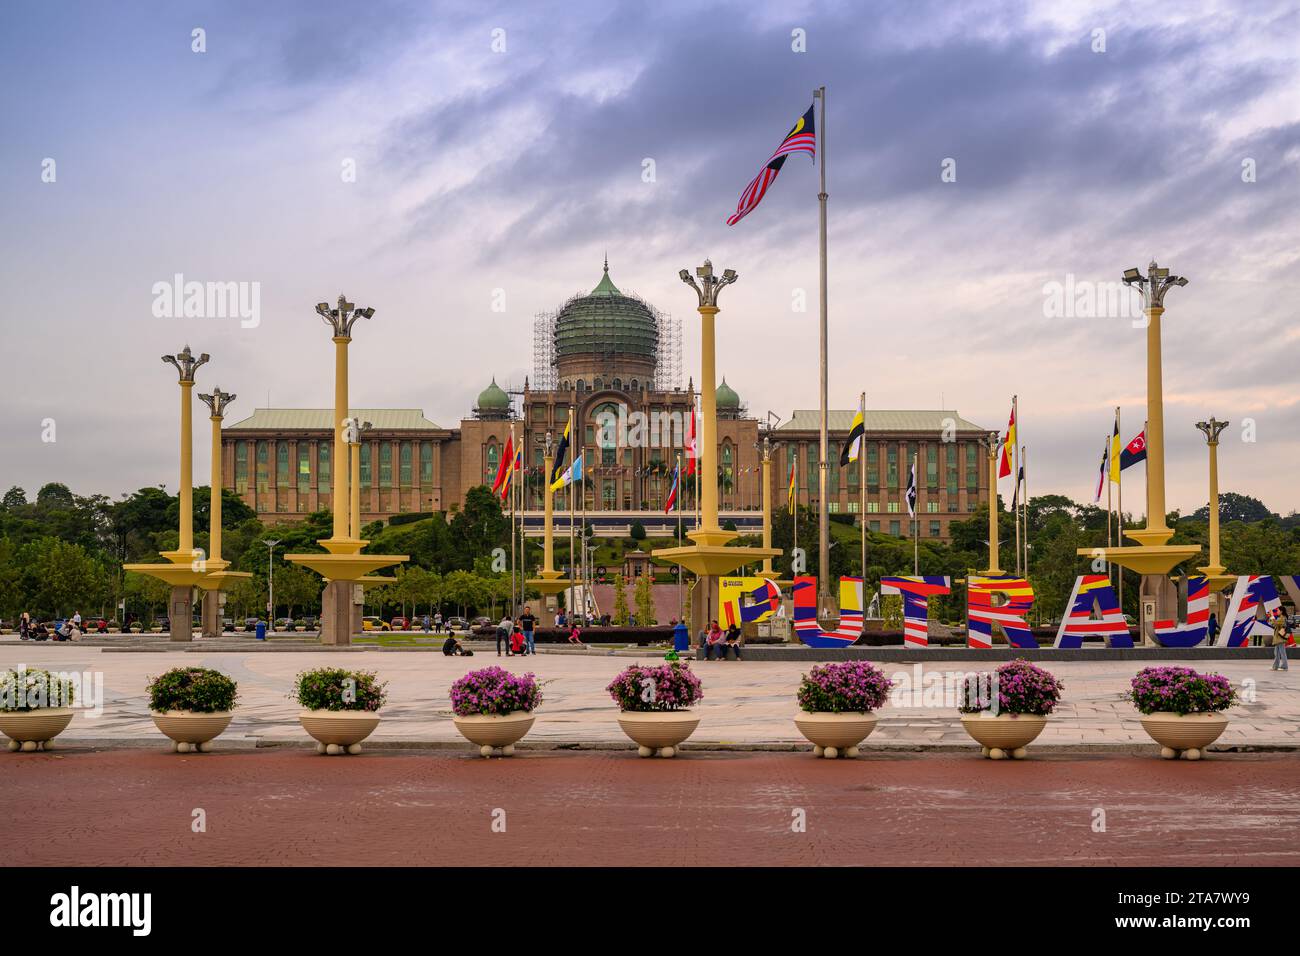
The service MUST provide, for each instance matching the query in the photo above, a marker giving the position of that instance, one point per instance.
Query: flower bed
(199, 690)
(668, 686)
(332, 688)
(1180, 690)
(844, 687)
(29, 689)
(495, 691)
(1020, 688)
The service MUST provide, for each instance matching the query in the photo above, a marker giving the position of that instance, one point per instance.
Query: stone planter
(191, 732)
(1184, 735)
(836, 735)
(1006, 735)
(657, 732)
(30, 730)
(339, 731)
(492, 731)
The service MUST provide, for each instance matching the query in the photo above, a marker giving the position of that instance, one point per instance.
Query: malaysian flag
(800, 139)
(672, 493)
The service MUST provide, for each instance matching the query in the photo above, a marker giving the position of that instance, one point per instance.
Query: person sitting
(39, 632)
(517, 640)
(575, 636)
(452, 647)
(731, 641)
(714, 642)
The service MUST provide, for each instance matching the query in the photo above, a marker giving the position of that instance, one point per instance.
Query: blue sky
(484, 174)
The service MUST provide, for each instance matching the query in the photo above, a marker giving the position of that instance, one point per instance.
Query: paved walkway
(745, 703)
(278, 807)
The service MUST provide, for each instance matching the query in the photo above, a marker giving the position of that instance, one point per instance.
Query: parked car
(457, 623)
(228, 624)
(374, 624)
(251, 622)
(482, 621)
(401, 623)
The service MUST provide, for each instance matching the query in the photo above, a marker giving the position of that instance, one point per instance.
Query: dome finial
(606, 262)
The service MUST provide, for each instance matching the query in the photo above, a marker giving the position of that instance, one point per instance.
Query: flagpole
(1110, 445)
(681, 600)
(510, 467)
(1025, 505)
(1015, 476)
(825, 603)
(795, 509)
(862, 489)
(1119, 515)
(916, 520)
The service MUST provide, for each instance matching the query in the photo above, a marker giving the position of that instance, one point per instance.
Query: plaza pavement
(746, 703)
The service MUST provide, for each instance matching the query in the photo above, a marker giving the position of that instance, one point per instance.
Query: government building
(613, 359)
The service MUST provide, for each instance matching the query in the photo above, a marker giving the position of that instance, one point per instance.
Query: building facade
(605, 366)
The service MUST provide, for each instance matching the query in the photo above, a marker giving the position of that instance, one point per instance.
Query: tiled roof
(322, 419)
(877, 420)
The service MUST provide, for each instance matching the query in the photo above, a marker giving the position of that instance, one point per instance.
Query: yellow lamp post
(343, 563)
(1152, 555)
(994, 444)
(1214, 571)
(710, 555)
(766, 447)
(549, 581)
(184, 567)
(218, 578)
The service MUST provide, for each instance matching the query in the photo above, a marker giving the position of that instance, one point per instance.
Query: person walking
(575, 636)
(24, 626)
(529, 624)
(1214, 627)
(1281, 634)
(503, 634)
(426, 624)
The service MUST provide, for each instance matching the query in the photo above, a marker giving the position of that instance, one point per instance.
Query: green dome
(608, 324)
(727, 397)
(493, 398)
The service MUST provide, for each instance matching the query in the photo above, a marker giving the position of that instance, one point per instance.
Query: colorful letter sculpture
(1093, 591)
(1197, 626)
(916, 592)
(741, 600)
(849, 628)
(981, 613)
(1241, 622)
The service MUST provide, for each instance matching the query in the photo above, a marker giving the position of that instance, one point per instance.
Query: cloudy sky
(500, 150)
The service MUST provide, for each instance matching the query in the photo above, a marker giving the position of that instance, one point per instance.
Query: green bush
(637, 531)
(332, 688)
(34, 689)
(197, 689)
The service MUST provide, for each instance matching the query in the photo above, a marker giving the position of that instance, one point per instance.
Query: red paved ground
(294, 807)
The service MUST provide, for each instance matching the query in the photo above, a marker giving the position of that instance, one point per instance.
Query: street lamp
(1214, 570)
(270, 581)
(1153, 287)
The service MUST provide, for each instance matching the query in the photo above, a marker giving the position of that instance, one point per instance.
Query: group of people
(436, 621)
(517, 634)
(69, 630)
(719, 642)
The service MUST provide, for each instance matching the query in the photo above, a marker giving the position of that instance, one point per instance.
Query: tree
(1235, 507)
(15, 497)
(150, 592)
(478, 527)
(296, 587)
(620, 601)
(637, 531)
(645, 605)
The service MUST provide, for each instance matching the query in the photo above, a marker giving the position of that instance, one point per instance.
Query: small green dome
(726, 397)
(493, 398)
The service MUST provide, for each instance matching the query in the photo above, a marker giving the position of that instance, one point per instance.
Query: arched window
(493, 461)
(618, 383)
(605, 419)
(634, 386)
(582, 386)
(598, 383)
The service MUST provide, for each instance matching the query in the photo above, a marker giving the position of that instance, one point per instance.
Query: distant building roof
(322, 419)
(878, 420)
